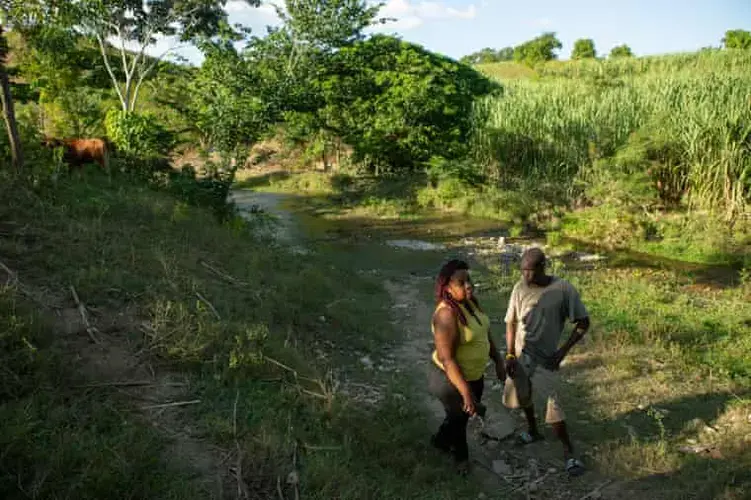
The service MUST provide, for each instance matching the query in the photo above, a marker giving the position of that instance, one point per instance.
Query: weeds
(216, 302)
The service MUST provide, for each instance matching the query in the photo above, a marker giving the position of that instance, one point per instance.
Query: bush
(137, 134)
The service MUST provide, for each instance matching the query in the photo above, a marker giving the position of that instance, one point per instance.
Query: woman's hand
(511, 365)
(468, 404)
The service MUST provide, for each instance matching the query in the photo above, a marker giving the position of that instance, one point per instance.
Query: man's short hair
(532, 258)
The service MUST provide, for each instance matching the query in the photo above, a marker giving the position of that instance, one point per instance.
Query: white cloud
(409, 14)
(543, 22)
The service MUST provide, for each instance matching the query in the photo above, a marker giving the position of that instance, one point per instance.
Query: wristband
(510, 356)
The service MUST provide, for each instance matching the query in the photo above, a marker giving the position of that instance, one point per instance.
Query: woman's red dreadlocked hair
(442, 294)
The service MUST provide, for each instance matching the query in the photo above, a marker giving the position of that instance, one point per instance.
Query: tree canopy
(737, 39)
(621, 51)
(538, 50)
(488, 55)
(584, 48)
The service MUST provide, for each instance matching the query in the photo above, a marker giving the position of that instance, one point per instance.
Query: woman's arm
(446, 339)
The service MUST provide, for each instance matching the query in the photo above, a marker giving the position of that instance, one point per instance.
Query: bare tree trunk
(9, 113)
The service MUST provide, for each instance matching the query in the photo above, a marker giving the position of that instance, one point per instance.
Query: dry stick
(84, 316)
(313, 447)
(134, 383)
(209, 305)
(11, 274)
(291, 370)
(596, 490)
(536, 481)
(170, 405)
(279, 488)
(222, 274)
(242, 488)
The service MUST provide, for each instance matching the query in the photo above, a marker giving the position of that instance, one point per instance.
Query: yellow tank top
(473, 351)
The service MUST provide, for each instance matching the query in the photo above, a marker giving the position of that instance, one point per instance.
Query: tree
(737, 39)
(9, 114)
(136, 25)
(538, 50)
(621, 51)
(18, 15)
(584, 48)
(488, 55)
(398, 104)
(506, 54)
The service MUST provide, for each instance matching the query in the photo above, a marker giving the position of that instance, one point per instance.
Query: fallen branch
(170, 405)
(13, 278)
(313, 447)
(222, 274)
(133, 383)
(314, 394)
(209, 305)
(526, 485)
(291, 370)
(84, 316)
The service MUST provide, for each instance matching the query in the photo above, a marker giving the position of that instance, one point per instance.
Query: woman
(463, 345)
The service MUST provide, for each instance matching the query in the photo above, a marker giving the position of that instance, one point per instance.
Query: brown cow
(77, 152)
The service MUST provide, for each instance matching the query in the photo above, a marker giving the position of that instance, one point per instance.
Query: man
(538, 310)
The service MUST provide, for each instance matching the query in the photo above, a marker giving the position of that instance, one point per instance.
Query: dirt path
(505, 470)
(116, 363)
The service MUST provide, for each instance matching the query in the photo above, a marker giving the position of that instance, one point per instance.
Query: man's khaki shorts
(519, 393)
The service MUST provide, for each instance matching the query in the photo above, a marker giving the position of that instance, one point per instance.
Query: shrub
(137, 134)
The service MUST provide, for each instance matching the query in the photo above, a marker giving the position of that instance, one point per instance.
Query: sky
(460, 27)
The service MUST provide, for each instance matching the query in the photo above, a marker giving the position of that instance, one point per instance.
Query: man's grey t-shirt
(540, 314)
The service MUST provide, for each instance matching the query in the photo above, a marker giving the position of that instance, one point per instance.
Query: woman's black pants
(452, 434)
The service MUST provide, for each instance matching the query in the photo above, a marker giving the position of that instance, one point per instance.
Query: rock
(590, 257)
(322, 319)
(415, 245)
(595, 495)
(482, 496)
(710, 429)
(696, 424)
(532, 487)
(501, 467)
(367, 362)
(552, 470)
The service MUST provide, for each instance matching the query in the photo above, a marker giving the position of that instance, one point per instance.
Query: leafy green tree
(737, 39)
(398, 104)
(228, 105)
(488, 55)
(538, 50)
(231, 110)
(621, 51)
(9, 114)
(506, 54)
(584, 48)
(135, 25)
(19, 15)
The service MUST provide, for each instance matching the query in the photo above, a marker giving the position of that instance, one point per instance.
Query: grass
(126, 248)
